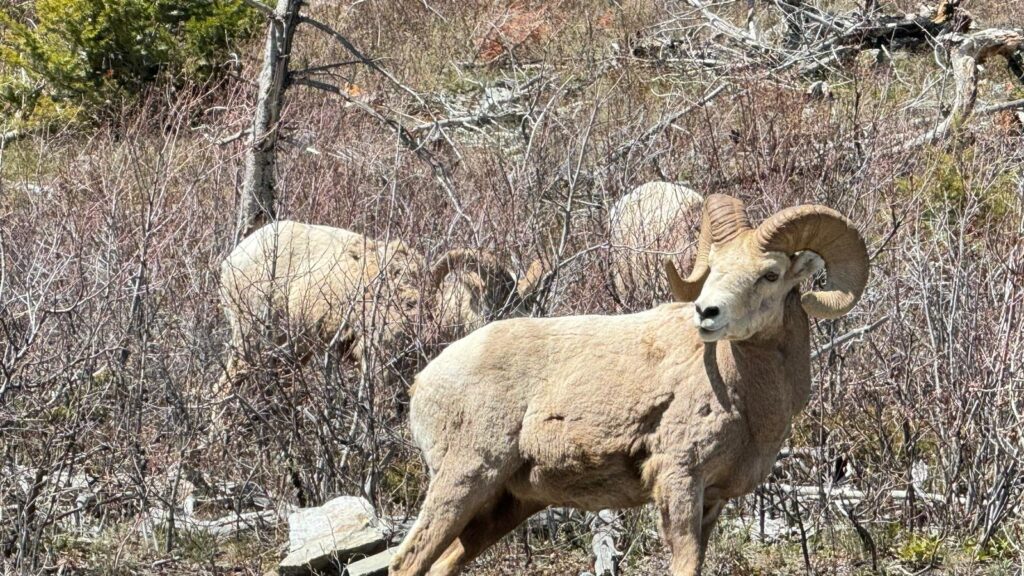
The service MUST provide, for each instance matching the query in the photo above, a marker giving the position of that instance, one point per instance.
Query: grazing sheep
(475, 288)
(328, 287)
(654, 220)
(685, 405)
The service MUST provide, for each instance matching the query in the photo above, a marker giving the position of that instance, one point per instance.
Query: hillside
(513, 127)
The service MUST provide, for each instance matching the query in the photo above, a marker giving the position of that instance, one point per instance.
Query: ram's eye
(771, 276)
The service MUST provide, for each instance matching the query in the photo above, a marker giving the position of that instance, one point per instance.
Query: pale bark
(259, 186)
(606, 528)
(968, 53)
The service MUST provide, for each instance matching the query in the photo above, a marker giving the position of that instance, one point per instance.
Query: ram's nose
(708, 313)
(709, 318)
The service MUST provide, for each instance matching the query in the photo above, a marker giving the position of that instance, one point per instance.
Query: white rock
(376, 565)
(328, 535)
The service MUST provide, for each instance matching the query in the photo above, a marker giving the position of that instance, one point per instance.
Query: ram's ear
(804, 265)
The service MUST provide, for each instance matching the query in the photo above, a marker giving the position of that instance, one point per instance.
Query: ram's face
(746, 288)
(742, 275)
(460, 305)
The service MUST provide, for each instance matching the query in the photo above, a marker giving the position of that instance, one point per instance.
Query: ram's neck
(795, 344)
(774, 378)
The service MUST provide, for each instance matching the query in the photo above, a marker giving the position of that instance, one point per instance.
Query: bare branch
(835, 343)
(993, 108)
(971, 51)
(359, 55)
(405, 137)
(258, 199)
(323, 68)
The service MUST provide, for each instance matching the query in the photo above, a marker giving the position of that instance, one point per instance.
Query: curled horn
(481, 260)
(535, 277)
(722, 219)
(830, 235)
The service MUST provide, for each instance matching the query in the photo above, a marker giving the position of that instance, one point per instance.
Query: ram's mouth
(711, 334)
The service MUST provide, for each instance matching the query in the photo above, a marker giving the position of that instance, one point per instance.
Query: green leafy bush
(921, 551)
(59, 57)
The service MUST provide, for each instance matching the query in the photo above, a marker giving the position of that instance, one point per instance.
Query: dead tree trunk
(259, 188)
(967, 53)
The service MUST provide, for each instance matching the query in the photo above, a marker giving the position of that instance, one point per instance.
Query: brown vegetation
(111, 239)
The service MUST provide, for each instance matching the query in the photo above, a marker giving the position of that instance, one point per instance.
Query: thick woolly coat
(654, 220)
(603, 411)
(320, 284)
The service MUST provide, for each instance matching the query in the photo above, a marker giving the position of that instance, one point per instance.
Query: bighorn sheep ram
(685, 405)
(333, 287)
(654, 220)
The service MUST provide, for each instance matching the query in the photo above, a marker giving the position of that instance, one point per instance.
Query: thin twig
(359, 55)
(404, 136)
(835, 343)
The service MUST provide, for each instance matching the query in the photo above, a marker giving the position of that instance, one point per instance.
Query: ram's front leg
(679, 498)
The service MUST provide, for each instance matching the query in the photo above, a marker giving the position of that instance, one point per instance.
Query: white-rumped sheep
(655, 220)
(328, 287)
(685, 405)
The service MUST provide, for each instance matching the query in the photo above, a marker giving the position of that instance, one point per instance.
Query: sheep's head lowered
(326, 287)
(474, 287)
(743, 275)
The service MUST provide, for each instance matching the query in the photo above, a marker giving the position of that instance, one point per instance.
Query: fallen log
(220, 528)
(895, 32)
(967, 53)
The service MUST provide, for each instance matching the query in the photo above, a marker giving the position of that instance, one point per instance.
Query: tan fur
(654, 220)
(472, 296)
(609, 412)
(321, 286)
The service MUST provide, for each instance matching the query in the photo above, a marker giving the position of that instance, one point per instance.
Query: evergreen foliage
(62, 58)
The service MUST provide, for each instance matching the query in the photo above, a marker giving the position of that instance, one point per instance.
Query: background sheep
(323, 287)
(685, 405)
(655, 220)
(476, 288)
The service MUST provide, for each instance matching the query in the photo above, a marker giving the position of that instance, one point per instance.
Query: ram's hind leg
(486, 528)
(453, 499)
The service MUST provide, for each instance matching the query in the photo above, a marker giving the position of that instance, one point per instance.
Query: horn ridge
(726, 217)
(722, 219)
(833, 237)
(462, 257)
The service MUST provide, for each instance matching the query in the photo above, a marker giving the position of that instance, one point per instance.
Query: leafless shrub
(112, 338)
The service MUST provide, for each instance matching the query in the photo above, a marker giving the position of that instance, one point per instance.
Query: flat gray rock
(376, 565)
(325, 537)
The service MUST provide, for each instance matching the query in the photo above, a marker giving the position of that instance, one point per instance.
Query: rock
(497, 98)
(376, 565)
(326, 536)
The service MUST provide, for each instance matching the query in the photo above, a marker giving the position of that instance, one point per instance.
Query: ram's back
(565, 394)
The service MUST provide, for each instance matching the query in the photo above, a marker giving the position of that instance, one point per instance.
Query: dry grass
(114, 263)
